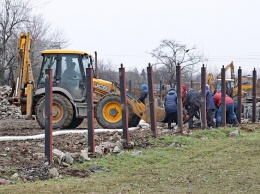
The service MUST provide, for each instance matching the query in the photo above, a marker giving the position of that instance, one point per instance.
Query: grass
(207, 162)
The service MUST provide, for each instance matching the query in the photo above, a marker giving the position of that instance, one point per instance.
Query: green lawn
(206, 162)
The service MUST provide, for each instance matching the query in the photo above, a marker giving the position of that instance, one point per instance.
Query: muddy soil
(27, 156)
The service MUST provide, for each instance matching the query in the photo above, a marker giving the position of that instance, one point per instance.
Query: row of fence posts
(124, 104)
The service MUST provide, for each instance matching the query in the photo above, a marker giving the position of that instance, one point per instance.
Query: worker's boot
(236, 123)
(218, 124)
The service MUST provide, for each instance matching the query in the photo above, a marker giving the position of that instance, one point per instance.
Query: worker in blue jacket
(170, 106)
(143, 94)
(210, 108)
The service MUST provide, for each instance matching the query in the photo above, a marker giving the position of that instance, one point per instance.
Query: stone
(53, 172)
(68, 158)
(59, 155)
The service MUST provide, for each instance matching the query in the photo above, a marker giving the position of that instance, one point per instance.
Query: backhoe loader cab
(68, 70)
(230, 84)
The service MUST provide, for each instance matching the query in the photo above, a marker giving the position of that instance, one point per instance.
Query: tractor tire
(75, 123)
(62, 112)
(108, 112)
(135, 120)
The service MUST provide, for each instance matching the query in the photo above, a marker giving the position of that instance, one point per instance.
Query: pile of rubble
(8, 111)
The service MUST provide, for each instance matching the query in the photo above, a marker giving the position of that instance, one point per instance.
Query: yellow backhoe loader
(69, 91)
(231, 83)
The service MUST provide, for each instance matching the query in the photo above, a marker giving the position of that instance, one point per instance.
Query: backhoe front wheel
(62, 112)
(108, 112)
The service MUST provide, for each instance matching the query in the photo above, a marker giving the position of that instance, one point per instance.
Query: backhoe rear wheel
(108, 112)
(62, 112)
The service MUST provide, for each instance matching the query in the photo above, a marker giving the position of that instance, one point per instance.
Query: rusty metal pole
(239, 95)
(203, 98)
(90, 109)
(124, 106)
(223, 96)
(254, 97)
(48, 115)
(130, 85)
(160, 91)
(96, 66)
(151, 100)
(179, 98)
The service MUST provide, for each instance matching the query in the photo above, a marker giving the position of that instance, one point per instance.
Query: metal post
(254, 97)
(151, 99)
(203, 97)
(239, 95)
(90, 109)
(179, 98)
(223, 95)
(48, 115)
(130, 86)
(160, 91)
(124, 106)
(96, 66)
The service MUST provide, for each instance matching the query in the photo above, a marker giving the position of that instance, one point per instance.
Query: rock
(68, 158)
(53, 172)
(116, 149)
(107, 144)
(99, 151)
(39, 155)
(98, 168)
(65, 164)
(138, 153)
(122, 153)
(235, 133)
(175, 144)
(59, 155)
(6, 109)
(15, 176)
(84, 154)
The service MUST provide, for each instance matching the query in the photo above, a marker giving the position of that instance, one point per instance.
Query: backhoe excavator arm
(232, 70)
(210, 82)
(23, 86)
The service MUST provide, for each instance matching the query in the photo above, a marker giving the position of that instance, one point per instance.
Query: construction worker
(143, 94)
(210, 108)
(170, 105)
(229, 108)
(192, 105)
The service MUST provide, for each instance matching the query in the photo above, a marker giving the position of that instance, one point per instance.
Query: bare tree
(136, 79)
(107, 71)
(15, 18)
(13, 14)
(171, 53)
(43, 37)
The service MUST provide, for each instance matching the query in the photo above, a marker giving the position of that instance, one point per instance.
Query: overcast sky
(125, 31)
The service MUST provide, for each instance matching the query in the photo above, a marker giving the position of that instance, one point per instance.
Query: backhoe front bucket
(159, 111)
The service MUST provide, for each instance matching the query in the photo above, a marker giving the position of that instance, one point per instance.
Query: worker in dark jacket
(210, 107)
(170, 105)
(192, 105)
(229, 108)
(143, 94)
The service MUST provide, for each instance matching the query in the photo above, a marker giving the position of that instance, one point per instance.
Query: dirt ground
(27, 156)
